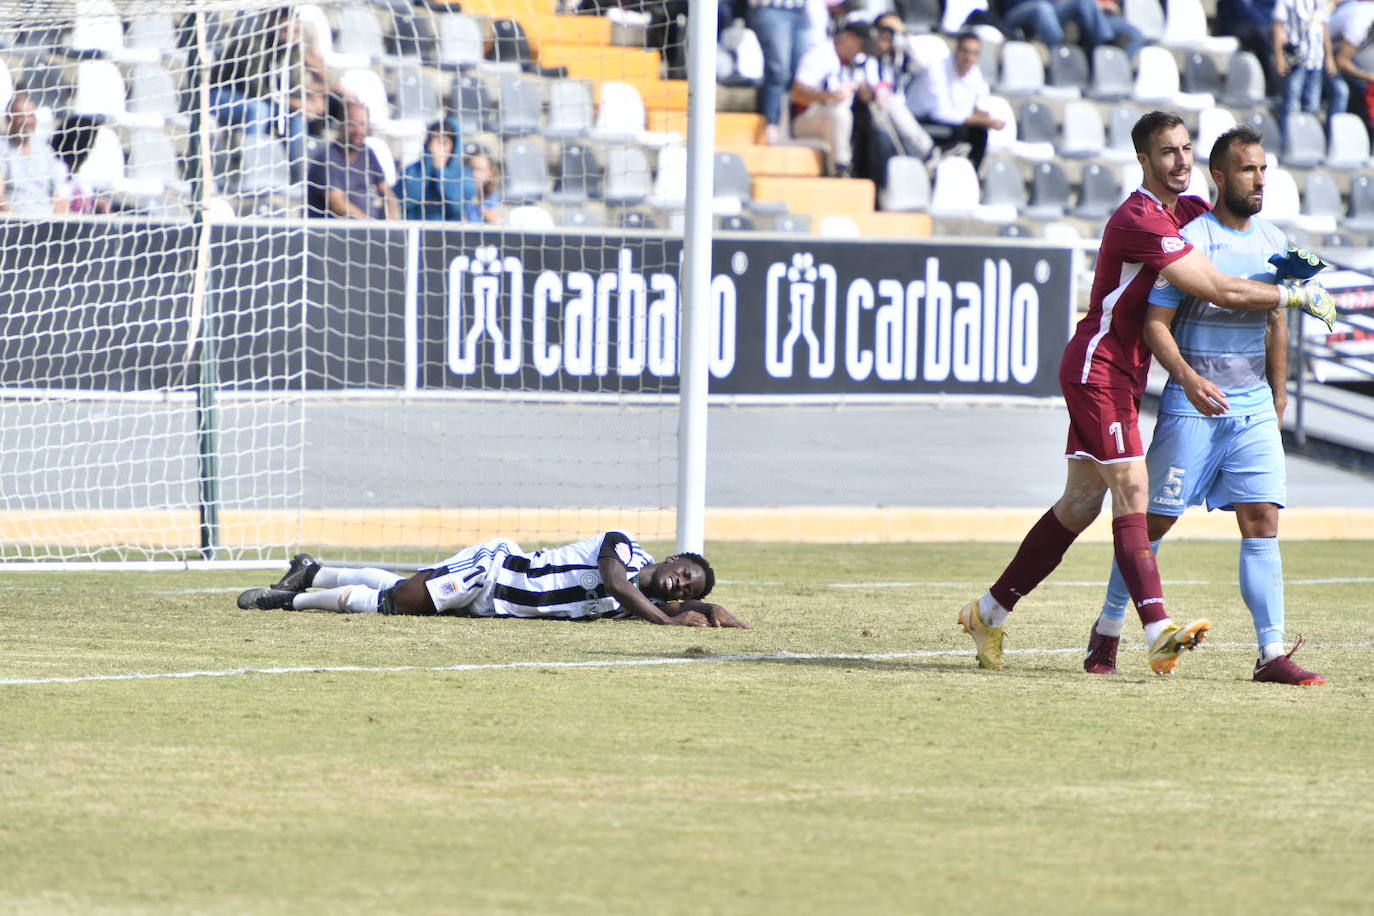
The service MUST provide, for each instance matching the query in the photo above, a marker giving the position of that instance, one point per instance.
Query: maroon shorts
(1104, 423)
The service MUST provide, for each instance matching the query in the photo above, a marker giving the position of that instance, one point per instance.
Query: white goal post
(201, 364)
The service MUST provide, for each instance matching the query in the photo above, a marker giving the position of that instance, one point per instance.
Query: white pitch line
(608, 663)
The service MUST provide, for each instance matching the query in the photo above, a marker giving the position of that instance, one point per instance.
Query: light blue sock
(1117, 600)
(1261, 585)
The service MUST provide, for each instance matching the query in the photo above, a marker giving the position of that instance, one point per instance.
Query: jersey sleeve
(1153, 240)
(1165, 293)
(622, 547)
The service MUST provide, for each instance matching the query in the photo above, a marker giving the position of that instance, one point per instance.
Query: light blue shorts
(1223, 460)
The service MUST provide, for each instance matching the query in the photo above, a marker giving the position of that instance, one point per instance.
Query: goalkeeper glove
(1298, 263)
(1312, 298)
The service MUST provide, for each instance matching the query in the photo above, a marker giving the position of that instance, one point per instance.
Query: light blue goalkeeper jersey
(1225, 346)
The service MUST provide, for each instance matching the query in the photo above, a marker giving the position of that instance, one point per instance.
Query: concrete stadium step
(818, 197)
(795, 161)
(571, 30)
(600, 62)
(892, 225)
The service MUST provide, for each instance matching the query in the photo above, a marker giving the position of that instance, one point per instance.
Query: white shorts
(466, 585)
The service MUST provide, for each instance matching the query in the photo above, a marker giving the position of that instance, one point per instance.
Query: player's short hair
(1244, 135)
(1151, 124)
(967, 36)
(708, 574)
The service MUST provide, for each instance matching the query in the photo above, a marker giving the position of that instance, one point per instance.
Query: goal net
(376, 281)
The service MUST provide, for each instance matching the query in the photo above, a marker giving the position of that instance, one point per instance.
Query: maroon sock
(1039, 554)
(1135, 559)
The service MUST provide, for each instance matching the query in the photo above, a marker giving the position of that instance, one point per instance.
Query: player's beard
(1242, 204)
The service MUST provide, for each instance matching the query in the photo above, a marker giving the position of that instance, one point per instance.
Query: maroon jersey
(1141, 239)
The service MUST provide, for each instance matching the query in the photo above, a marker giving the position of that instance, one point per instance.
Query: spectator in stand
(483, 201)
(33, 181)
(1304, 59)
(781, 27)
(436, 186)
(1251, 21)
(1099, 22)
(1355, 54)
(883, 90)
(828, 77)
(945, 96)
(348, 183)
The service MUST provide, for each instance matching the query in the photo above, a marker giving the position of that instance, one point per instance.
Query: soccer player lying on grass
(1103, 374)
(603, 576)
(1217, 438)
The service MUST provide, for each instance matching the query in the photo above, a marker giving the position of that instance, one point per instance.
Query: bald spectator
(348, 183)
(34, 180)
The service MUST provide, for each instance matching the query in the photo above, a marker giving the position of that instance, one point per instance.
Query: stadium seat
(152, 162)
(1321, 203)
(1100, 194)
(1131, 178)
(147, 38)
(97, 30)
(1261, 120)
(919, 15)
(411, 37)
(1306, 145)
(1360, 215)
(791, 222)
(1023, 72)
(510, 44)
(1200, 75)
(1068, 76)
(570, 110)
(1049, 196)
(526, 172)
(1004, 193)
(413, 94)
(153, 95)
(636, 219)
(530, 216)
(360, 34)
(1112, 80)
(732, 184)
(461, 40)
(735, 223)
(1348, 145)
(520, 108)
(1337, 240)
(838, 227)
(367, 85)
(1281, 203)
(264, 168)
(670, 181)
(1085, 135)
(955, 191)
(1015, 231)
(382, 150)
(1211, 123)
(315, 23)
(1244, 81)
(1035, 132)
(1119, 147)
(1145, 15)
(1004, 138)
(1185, 28)
(908, 185)
(472, 104)
(620, 116)
(629, 178)
(99, 89)
(103, 169)
(1156, 78)
(928, 48)
(45, 83)
(581, 219)
(579, 178)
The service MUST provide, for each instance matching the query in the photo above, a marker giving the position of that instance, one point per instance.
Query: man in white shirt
(1304, 58)
(945, 99)
(823, 90)
(33, 181)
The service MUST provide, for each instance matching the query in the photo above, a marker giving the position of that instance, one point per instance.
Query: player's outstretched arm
(1197, 276)
(619, 587)
(1159, 336)
(715, 614)
(1276, 360)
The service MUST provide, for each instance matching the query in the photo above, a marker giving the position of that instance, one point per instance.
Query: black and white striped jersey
(563, 582)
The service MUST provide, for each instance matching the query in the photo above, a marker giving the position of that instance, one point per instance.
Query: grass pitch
(880, 771)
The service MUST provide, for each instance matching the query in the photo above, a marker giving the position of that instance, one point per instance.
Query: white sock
(334, 576)
(350, 599)
(1152, 630)
(993, 614)
(1109, 626)
(1270, 651)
